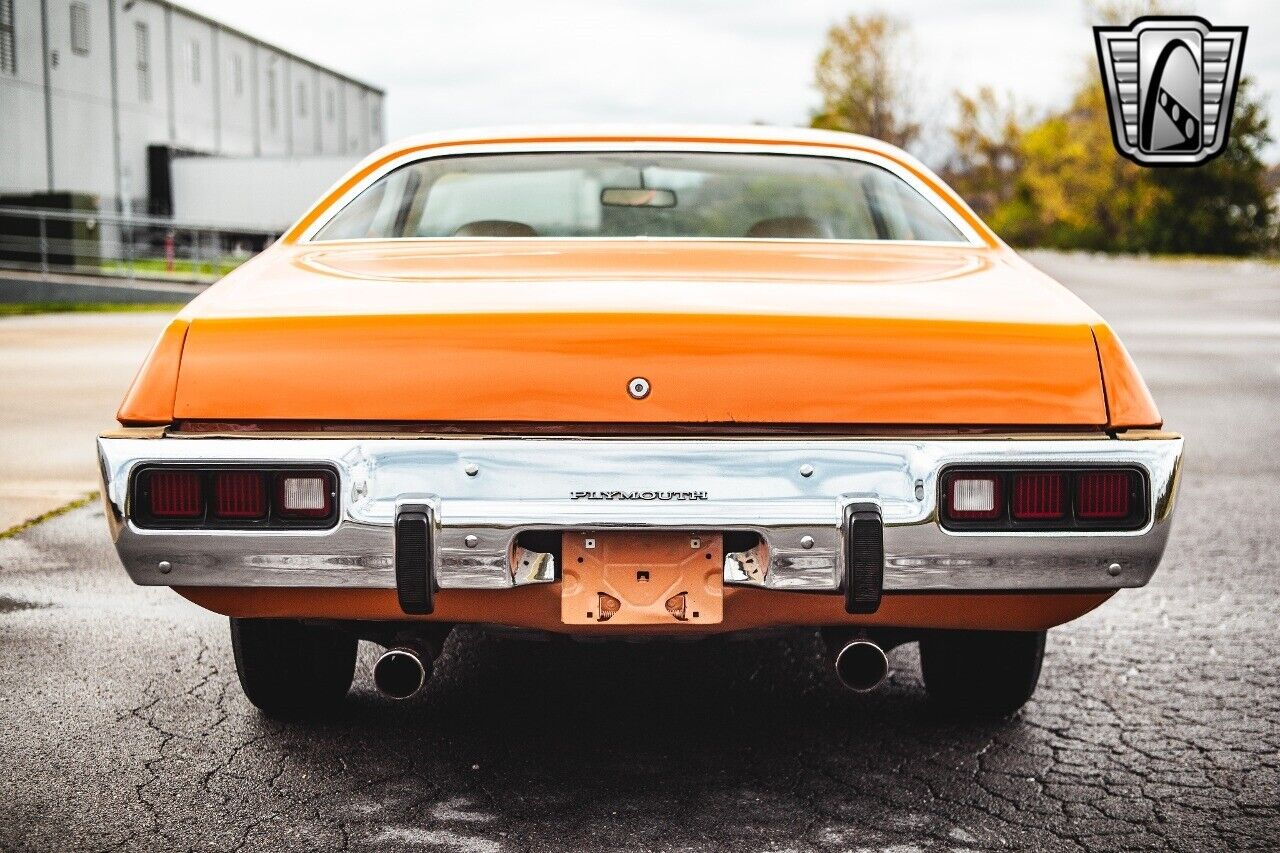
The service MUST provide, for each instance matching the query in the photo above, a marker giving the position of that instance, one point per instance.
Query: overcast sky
(447, 65)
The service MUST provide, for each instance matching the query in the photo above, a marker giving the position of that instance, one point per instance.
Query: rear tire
(981, 673)
(288, 668)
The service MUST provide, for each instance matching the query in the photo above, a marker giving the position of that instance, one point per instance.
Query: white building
(96, 96)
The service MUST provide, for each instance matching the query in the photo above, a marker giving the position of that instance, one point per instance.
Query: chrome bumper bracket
(864, 558)
(415, 577)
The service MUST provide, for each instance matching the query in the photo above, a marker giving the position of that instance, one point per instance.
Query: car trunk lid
(539, 331)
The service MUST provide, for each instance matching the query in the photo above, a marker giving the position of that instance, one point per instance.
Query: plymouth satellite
(645, 383)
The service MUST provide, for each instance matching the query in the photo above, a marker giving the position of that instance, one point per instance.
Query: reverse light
(304, 494)
(975, 497)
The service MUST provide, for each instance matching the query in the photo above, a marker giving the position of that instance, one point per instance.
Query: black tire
(981, 673)
(289, 669)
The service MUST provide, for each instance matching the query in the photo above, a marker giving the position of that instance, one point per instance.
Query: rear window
(636, 194)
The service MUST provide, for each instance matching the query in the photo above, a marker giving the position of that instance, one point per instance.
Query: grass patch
(17, 309)
(181, 267)
(53, 513)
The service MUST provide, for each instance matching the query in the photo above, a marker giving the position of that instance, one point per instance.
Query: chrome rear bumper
(792, 492)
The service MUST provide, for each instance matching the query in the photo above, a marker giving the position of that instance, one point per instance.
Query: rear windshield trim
(973, 239)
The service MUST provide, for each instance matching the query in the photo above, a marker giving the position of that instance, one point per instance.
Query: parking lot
(62, 376)
(1156, 726)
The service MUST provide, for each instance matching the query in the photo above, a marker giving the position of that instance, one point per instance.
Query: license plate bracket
(642, 578)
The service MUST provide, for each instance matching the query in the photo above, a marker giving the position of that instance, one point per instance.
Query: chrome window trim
(755, 485)
(973, 239)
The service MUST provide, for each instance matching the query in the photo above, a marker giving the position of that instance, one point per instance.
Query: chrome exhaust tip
(400, 673)
(862, 666)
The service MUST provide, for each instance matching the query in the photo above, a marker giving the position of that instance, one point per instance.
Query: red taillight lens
(217, 498)
(239, 494)
(974, 497)
(1037, 496)
(174, 494)
(304, 494)
(1103, 495)
(1018, 500)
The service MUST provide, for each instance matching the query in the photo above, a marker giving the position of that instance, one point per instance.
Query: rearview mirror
(637, 197)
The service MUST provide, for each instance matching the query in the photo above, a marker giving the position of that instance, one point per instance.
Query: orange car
(640, 382)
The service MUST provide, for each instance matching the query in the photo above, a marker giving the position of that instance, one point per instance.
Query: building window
(80, 29)
(237, 74)
(143, 37)
(273, 104)
(8, 52)
(193, 55)
(329, 105)
(302, 100)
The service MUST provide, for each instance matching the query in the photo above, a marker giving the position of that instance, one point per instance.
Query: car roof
(628, 135)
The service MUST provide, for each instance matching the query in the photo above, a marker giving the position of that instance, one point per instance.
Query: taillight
(239, 494)
(173, 494)
(234, 497)
(1048, 498)
(975, 497)
(306, 494)
(1103, 495)
(1037, 495)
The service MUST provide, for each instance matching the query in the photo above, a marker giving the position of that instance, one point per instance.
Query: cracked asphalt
(1156, 725)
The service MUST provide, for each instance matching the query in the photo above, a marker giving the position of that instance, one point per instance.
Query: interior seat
(789, 227)
(495, 228)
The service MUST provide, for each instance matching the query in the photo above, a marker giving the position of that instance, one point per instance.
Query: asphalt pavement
(1156, 725)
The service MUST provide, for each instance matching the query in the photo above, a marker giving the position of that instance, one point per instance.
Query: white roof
(716, 137)
(648, 132)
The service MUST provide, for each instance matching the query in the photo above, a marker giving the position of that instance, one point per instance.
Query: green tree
(864, 79)
(987, 142)
(1069, 188)
(1223, 206)
(1074, 191)
(1058, 180)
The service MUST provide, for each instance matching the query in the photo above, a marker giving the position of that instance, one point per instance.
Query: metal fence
(132, 247)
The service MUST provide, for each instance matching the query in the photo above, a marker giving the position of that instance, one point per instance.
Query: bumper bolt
(806, 542)
(1113, 569)
(471, 541)
(165, 567)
